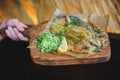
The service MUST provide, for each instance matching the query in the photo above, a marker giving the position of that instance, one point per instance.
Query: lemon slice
(63, 46)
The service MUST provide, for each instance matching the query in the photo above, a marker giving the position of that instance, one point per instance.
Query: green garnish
(48, 42)
(74, 20)
(69, 24)
(62, 33)
(53, 20)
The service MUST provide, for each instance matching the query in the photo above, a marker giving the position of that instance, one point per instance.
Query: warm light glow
(30, 10)
(33, 12)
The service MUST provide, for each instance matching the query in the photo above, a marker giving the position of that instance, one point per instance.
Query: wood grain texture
(49, 59)
(62, 59)
(53, 59)
(33, 12)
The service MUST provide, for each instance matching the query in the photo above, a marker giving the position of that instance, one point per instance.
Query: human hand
(13, 29)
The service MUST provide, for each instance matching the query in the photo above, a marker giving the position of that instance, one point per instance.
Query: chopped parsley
(48, 42)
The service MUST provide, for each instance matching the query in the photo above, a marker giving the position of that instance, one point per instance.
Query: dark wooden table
(16, 64)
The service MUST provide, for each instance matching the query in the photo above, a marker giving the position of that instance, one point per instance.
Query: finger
(12, 33)
(18, 25)
(23, 25)
(20, 36)
(9, 22)
(3, 24)
(8, 34)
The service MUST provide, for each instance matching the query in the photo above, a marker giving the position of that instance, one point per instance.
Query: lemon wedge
(63, 46)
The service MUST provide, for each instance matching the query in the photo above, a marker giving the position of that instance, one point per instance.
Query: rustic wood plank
(50, 59)
(62, 59)
(32, 12)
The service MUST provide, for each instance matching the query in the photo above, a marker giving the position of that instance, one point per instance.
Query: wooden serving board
(60, 59)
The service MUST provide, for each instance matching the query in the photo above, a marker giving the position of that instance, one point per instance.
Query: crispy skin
(79, 38)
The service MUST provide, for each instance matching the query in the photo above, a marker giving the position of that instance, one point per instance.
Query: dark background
(16, 64)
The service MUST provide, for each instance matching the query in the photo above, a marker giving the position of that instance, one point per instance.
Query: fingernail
(22, 29)
(26, 26)
(26, 39)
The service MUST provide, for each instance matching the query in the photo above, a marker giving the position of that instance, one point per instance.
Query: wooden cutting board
(60, 59)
